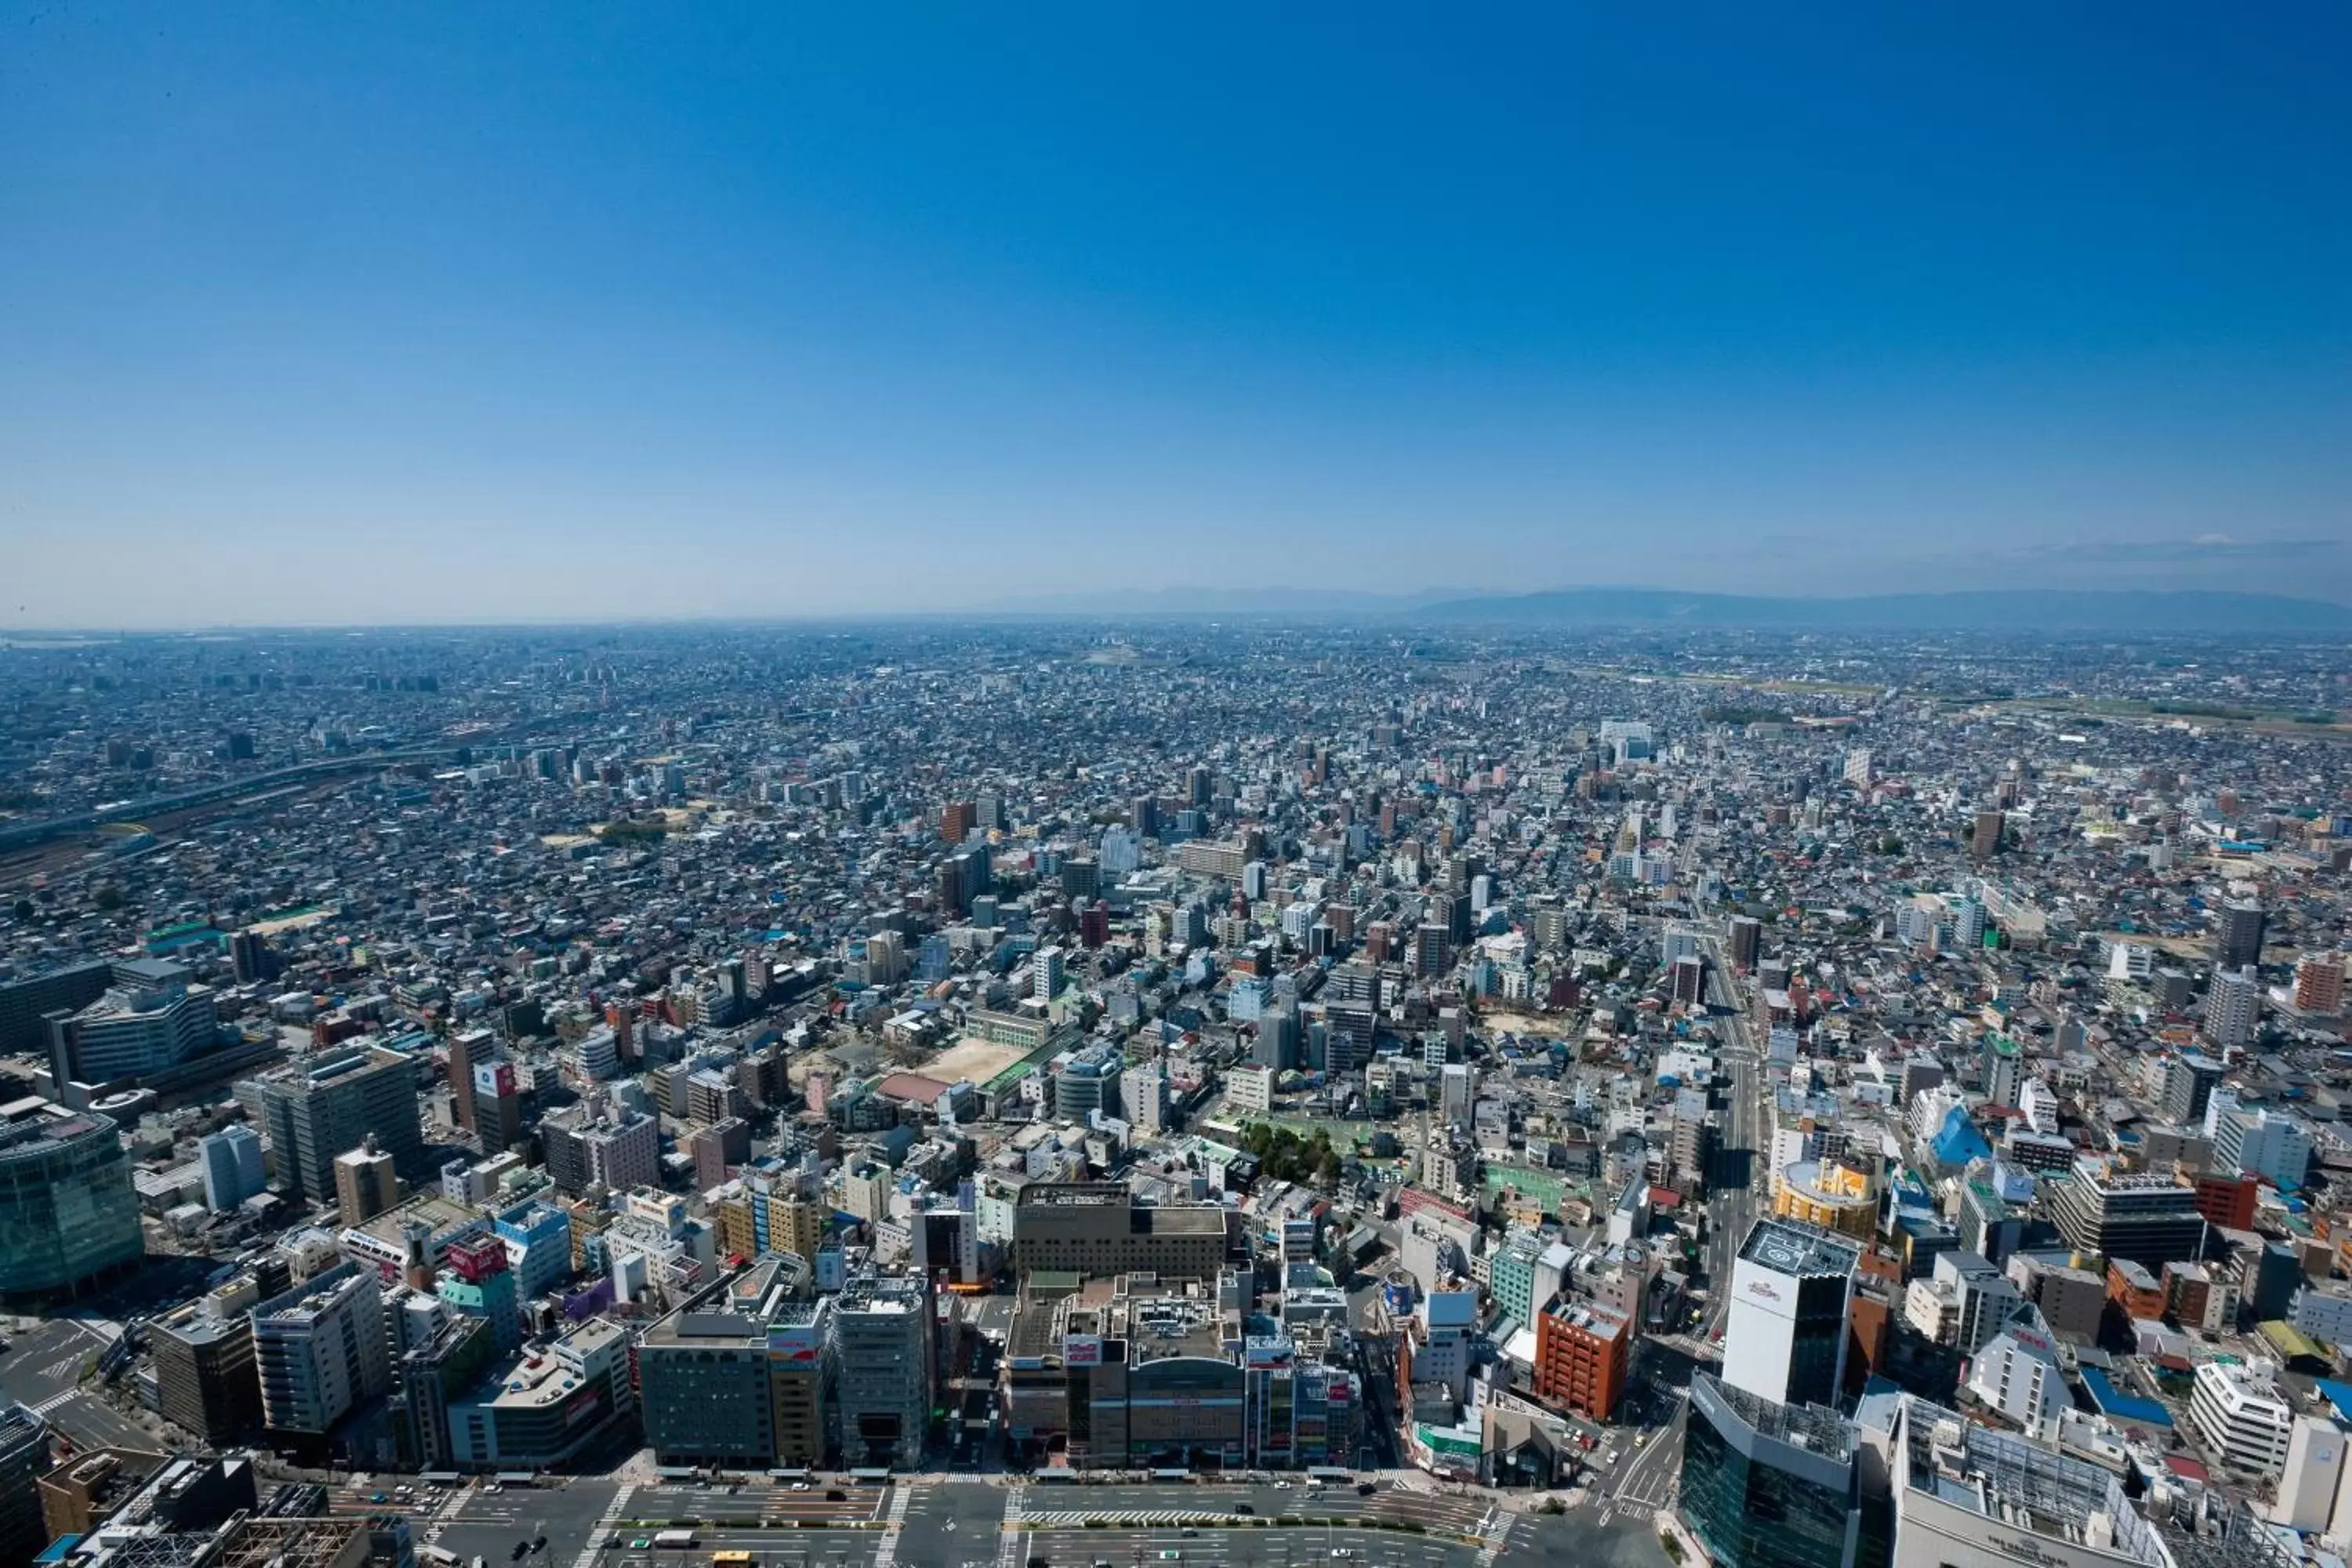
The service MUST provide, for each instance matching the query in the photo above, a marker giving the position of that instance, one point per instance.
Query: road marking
(1495, 1532)
(604, 1527)
(894, 1522)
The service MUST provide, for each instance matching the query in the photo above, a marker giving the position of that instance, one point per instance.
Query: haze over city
(418, 314)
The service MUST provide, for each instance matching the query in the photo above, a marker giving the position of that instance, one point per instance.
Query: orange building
(957, 820)
(2134, 1289)
(2228, 1201)
(1583, 1352)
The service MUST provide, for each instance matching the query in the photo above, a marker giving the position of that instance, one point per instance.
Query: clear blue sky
(383, 312)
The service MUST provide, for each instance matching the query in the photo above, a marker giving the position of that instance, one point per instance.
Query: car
(1282, 1486)
(1171, 1555)
(834, 1494)
(800, 1486)
(403, 1492)
(1366, 1489)
(1343, 1552)
(1244, 1507)
(612, 1540)
(378, 1497)
(1190, 1532)
(521, 1550)
(642, 1543)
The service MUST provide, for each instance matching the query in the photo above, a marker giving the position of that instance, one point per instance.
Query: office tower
(2238, 943)
(1984, 838)
(1144, 1096)
(463, 1046)
(717, 1148)
(883, 1369)
(1197, 784)
(957, 820)
(2319, 983)
(2233, 1005)
(1791, 1290)
(1455, 1089)
(24, 1459)
(69, 1215)
(474, 1279)
(250, 959)
(1687, 980)
(26, 1004)
(233, 1167)
(2146, 1218)
(616, 1152)
(1857, 767)
(365, 1183)
(1583, 1352)
(496, 1094)
(205, 1383)
(2242, 1417)
(321, 1351)
(315, 1111)
(1745, 941)
(2189, 1081)
(1097, 1228)
(1045, 976)
(1277, 1036)
(1766, 1484)
(2003, 1069)
(1433, 950)
(134, 1030)
(1143, 816)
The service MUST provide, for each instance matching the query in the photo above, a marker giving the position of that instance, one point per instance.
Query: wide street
(43, 1367)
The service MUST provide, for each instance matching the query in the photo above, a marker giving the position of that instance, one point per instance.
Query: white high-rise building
(2233, 1005)
(1791, 1291)
(1045, 973)
(2241, 1416)
(2315, 1469)
(322, 1350)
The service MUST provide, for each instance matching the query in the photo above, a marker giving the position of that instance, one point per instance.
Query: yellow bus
(730, 1559)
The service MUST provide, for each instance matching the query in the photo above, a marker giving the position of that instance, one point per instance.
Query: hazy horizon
(425, 316)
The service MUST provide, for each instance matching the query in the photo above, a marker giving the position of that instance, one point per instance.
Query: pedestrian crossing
(1153, 1519)
(1495, 1534)
(894, 1523)
(615, 1511)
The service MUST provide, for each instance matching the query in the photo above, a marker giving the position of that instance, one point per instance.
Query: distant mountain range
(2050, 610)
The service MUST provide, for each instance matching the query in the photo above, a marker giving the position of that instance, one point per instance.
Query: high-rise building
(2233, 1005)
(2319, 983)
(69, 1215)
(24, 1459)
(1766, 1484)
(134, 1030)
(1984, 836)
(1746, 941)
(205, 1383)
(1583, 1352)
(26, 1004)
(1791, 1290)
(476, 1279)
(739, 1375)
(321, 1351)
(233, 1167)
(2189, 1081)
(365, 1183)
(1144, 1096)
(585, 1150)
(2238, 941)
(2147, 1218)
(883, 1369)
(317, 1110)
(1046, 981)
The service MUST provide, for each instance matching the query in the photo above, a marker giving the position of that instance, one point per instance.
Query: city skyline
(393, 320)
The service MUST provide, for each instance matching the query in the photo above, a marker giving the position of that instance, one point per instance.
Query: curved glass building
(68, 1218)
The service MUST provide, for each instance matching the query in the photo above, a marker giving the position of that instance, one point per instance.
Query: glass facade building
(1770, 1485)
(69, 1215)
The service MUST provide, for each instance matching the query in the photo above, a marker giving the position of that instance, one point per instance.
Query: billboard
(798, 1342)
(1082, 1350)
(496, 1080)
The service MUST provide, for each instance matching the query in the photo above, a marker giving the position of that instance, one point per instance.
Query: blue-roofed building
(1958, 1142)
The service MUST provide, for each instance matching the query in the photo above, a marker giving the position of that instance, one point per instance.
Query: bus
(517, 1477)
(439, 1556)
(730, 1559)
(672, 1540)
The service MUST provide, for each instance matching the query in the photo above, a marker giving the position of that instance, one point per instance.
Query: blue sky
(369, 313)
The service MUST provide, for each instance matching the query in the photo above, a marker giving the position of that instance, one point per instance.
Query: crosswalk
(55, 1399)
(894, 1523)
(615, 1511)
(1152, 1519)
(1495, 1534)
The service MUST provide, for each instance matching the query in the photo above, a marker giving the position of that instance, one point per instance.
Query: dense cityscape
(1042, 1094)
